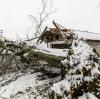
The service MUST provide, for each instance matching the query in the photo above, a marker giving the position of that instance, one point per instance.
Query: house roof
(47, 36)
(91, 36)
(88, 35)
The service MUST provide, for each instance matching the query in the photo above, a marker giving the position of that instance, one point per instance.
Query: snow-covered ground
(87, 96)
(27, 86)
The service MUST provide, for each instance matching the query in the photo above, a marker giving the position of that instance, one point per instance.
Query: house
(61, 38)
(57, 37)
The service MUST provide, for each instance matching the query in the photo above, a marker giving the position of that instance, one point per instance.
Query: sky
(76, 14)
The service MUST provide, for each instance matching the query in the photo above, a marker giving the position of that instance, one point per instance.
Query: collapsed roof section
(58, 33)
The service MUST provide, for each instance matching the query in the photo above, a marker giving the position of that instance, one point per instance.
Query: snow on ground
(87, 96)
(60, 87)
(25, 87)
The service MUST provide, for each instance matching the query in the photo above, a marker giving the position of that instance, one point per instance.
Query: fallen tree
(19, 56)
(80, 71)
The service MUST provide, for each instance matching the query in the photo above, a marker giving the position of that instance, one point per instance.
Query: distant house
(57, 37)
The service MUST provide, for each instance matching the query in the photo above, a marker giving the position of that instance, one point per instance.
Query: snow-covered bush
(82, 72)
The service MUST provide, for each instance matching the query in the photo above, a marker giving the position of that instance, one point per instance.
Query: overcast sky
(77, 14)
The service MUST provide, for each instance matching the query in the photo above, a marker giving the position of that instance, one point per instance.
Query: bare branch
(43, 15)
(33, 18)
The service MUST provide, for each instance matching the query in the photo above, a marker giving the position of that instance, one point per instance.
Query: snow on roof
(87, 35)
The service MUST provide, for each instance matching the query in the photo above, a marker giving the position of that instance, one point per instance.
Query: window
(57, 37)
